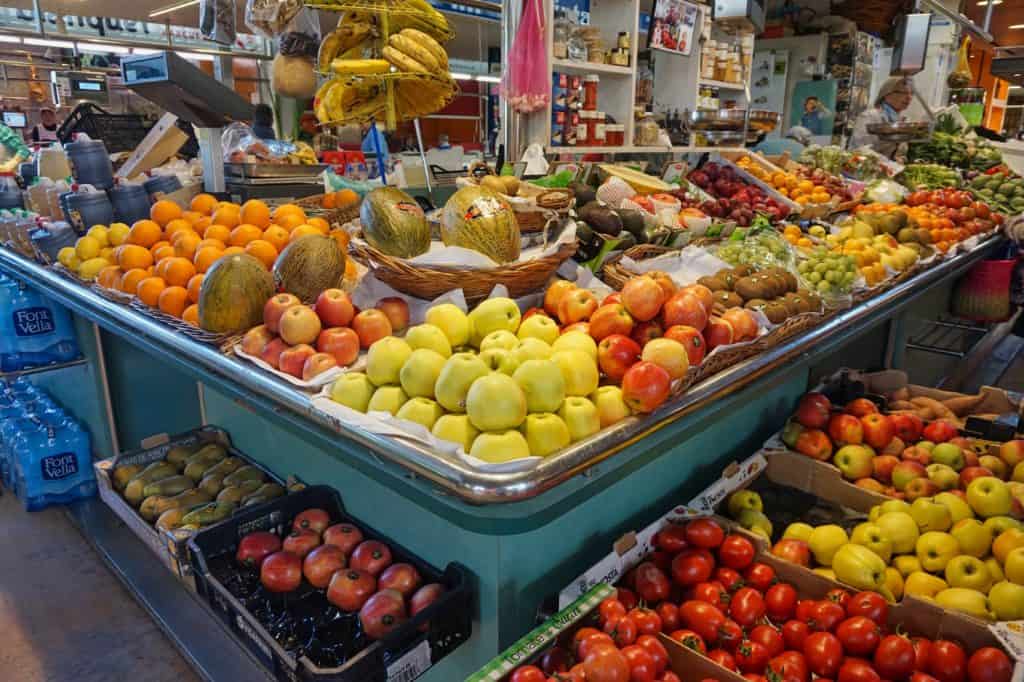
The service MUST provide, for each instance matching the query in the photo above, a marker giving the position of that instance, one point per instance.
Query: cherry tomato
(591, 642)
(870, 605)
(606, 664)
(656, 649)
(723, 658)
(690, 639)
(747, 606)
(704, 533)
(528, 673)
(827, 615)
(922, 650)
(770, 637)
(622, 630)
(711, 592)
(760, 576)
(794, 633)
(857, 670)
(647, 621)
(702, 618)
(669, 615)
(730, 634)
(989, 664)
(824, 653)
(859, 636)
(731, 580)
(692, 566)
(736, 552)
(641, 664)
(627, 597)
(610, 608)
(894, 658)
(780, 601)
(751, 657)
(839, 596)
(556, 660)
(652, 585)
(671, 538)
(947, 661)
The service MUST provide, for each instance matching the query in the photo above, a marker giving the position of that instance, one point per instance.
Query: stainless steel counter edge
(450, 474)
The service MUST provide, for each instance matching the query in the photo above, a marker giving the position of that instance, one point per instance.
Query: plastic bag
(961, 77)
(217, 21)
(269, 18)
(526, 83)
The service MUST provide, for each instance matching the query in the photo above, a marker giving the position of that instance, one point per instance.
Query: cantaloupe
(393, 223)
(233, 294)
(309, 265)
(480, 219)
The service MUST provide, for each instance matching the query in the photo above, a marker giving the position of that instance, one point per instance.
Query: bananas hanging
(354, 29)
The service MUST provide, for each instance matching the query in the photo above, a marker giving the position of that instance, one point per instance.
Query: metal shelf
(44, 368)
(722, 85)
(583, 68)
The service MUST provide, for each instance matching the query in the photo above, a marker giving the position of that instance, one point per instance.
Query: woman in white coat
(893, 98)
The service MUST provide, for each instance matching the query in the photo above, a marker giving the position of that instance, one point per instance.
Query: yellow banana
(429, 43)
(360, 67)
(402, 61)
(413, 49)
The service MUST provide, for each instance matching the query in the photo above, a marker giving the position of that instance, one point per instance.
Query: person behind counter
(796, 139)
(46, 130)
(263, 122)
(893, 99)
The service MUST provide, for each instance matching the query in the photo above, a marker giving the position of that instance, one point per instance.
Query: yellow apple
(456, 428)
(451, 320)
(924, 585)
(825, 541)
(429, 336)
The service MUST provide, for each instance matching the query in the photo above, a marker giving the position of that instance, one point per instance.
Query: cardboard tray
(171, 547)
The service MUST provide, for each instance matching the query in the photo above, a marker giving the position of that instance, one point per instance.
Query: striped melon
(233, 294)
(309, 265)
(480, 219)
(393, 223)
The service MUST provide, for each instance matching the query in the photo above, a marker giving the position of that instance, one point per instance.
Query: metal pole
(423, 154)
(511, 11)
(223, 71)
(988, 15)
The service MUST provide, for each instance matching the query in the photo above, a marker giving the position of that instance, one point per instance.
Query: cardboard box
(161, 143)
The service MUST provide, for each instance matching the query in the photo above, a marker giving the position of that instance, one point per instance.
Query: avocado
(632, 221)
(584, 193)
(601, 218)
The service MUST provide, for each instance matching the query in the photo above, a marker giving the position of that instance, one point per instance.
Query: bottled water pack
(34, 331)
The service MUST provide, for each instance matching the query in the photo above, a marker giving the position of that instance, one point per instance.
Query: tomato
(692, 566)
(989, 664)
(805, 610)
(857, 670)
(796, 664)
(780, 601)
(627, 597)
(751, 657)
(770, 637)
(894, 658)
(622, 630)
(730, 634)
(609, 609)
(730, 579)
(652, 585)
(827, 615)
(747, 606)
(870, 605)
(281, 572)
(794, 632)
(839, 596)
(669, 615)
(824, 653)
(760, 576)
(947, 661)
(922, 651)
(590, 643)
(656, 649)
(711, 592)
(671, 538)
(670, 676)
(859, 636)
(922, 677)
(704, 533)
(641, 664)
(754, 677)
(661, 559)
(647, 621)
(556, 660)
(736, 552)
(690, 639)
(723, 658)
(783, 670)
(606, 664)
(528, 673)
(701, 617)
(576, 674)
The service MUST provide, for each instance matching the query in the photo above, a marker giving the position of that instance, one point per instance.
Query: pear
(966, 600)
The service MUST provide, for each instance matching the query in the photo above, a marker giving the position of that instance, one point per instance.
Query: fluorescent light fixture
(462, 76)
(983, 3)
(488, 79)
(195, 55)
(101, 48)
(10, 39)
(188, 3)
(1016, 26)
(144, 50)
(44, 42)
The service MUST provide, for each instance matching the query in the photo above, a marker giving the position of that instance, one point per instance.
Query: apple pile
(359, 575)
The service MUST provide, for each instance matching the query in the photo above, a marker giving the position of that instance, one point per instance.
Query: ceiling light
(983, 3)
(101, 48)
(462, 76)
(488, 79)
(188, 3)
(144, 50)
(10, 39)
(1016, 26)
(43, 42)
(195, 55)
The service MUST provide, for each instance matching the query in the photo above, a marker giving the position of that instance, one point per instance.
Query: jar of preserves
(590, 84)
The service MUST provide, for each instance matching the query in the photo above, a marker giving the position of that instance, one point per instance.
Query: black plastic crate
(403, 655)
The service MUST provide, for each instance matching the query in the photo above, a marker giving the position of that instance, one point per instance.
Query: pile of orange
(164, 258)
(343, 198)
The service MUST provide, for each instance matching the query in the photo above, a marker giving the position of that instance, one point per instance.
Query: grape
(824, 287)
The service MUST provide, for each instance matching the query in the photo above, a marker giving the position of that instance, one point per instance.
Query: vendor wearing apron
(45, 131)
(893, 99)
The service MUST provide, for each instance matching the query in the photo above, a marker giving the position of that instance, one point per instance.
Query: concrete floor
(64, 616)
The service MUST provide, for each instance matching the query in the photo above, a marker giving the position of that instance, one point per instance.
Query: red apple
(870, 484)
(616, 354)
(743, 322)
(610, 319)
(274, 308)
(371, 325)
(878, 430)
(920, 487)
(647, 331)
(534, 311)
(583, 327)
(340, 342)
(908, 427)
(895, 447)
(1012, 452)
(643, 298)
(883, 466)
(702, 293)
(684, 309)
(317, 363)
(845, 429)
(940, 431)
(256, 339)
(576, 306)
(271, 353)
(614, 297)
(692, 341)
(397, 312)
(860, 407)
(814, 443)
(299, 324)
(813, 410)
(668, 286)
(645, 386)
(970, 458)
(905, 472)
(922, 456)
(554, 294)
(793, 550)
(334, 307)
(719, 332)
(294, 359)
(968, 474)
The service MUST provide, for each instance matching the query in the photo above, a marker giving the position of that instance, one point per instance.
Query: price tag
(734, 478)
(411, 665)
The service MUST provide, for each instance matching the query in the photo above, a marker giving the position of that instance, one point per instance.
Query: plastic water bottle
(35, 331)
(54, 465)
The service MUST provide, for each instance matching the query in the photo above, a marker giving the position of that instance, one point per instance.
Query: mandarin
(193, 287)
(263, 251)
(302, 231)
(178, 271)
(276, 235)
(164, 211)
(186, 244)
(243, 234)
(206, 257)
(133, 256)
(320, 224)
(110, 277)
(221, 232)
(227, 216)
(191, 315)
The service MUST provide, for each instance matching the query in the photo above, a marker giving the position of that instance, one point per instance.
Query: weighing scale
(68, 87)
(177, 86)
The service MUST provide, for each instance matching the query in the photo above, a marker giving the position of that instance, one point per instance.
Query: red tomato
(780, 601)
(692, 566)
(859, 636)
(581, 635)
(989, 664)
(729, 578)
(712, 592)
(870, 605)
(691, 640)
(922, 677)
(528, 673)
(784, 669)
(839, 596)
(981, 209)
(606, 664)
(704, 533)
(796, 663)
(641, 664)
(760, 576)
(730, 634)
(671, 538)
(747, 606)
(947, 661)
(627, 597)
(590, 643)
(669, 615)
(770, 637)
(736, 552)
(827, 615)
(723, 658)
(922, 650)
(794, 633)
(647, 621)
(661, 559)
(751, 657)
(656, 649)
(651, 584)
(894, 658)
(824, 653)
(857, 670)
(609, 609)
(702, 618)
(622, 630)
(670, 676)
(805, 610)
(556, 660)
(754, 677)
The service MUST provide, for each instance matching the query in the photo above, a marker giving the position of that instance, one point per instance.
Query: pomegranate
(281, 572)
(371, 556)
(350, 588)
(301, 542)
(320, 564)
(403, 578)
(343, 535)
(255, 547)
(315, 520)
(382, 613)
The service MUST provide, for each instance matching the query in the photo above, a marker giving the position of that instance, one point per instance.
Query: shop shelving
(583, 68)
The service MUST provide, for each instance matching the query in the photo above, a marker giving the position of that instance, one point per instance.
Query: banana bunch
(303, 155)
(349, 100)
(424, 18)
(421, 96)
(354, 30)
(413, 51)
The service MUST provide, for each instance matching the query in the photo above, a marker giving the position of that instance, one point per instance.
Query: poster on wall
(814, 107)
(673, 26)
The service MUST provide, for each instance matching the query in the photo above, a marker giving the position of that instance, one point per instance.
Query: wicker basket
(337, 217)
(430, 281)
(615, 275)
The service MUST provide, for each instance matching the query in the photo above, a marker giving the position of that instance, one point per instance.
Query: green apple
(972, 535)
(887, 507)
(930, 515)
(496, 403)
(995, 569)
(924, 585)
(420, 372)
(926, 444)
(935, 549)
(825, 541)
(995, 465)
(854, 461)
(957, 506)
(450, 319)
(422, 411)
(743, 499)
(457, 375)
(798, 531)
(1013, 567)
(906, 564)
(492, 315)
(456, 428)
(998, 524)
(385, 359)
(965, 600)
(968, 571)
(499, 339)
(1007, 600)
(500, 360)
(545, 433)
(755, 521)
(539, 327)
(901, 529)
(872, 536)
(532, 349)
(354, 390)
(576, 341)
(579, 371)
(943, 476)
(581, 416)
(611, 406)
(500, 446)
(429, 336)
(860, 568)
(949, 454)
(387, 399)
(542, 383)
(988, 496)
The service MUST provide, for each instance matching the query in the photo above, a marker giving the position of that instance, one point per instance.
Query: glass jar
(590, 84)
(616, 134)
(557, 128)
(577, 47)
(600, 130)
(560, 35)
(569, 131)
(623, 41)
(583, 129)
(646, 131)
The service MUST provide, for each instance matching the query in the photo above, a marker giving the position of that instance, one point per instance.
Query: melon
(233, 293)
(393, 223)
(479, 219)
(309, 265)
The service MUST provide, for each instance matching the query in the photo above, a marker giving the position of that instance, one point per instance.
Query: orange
(243, 234)
(203, 203)
(351, 272)
(163, 253)
(276, 235)
(130, 280)
(342, 237)
(302, 231)
(109, 277)
(227, 216)
(344, 198)
(330, 200)
(149, 290)
(228, 204)
(216, 243)
(173, 300)
(145, 233)
(178, 271)
(233, 251)
(288, 209)
(320, 224)
(206, 257)
(164, 211)
(256, 213)
(186, 244)
(175, 226)
(202, 224)
(193, 288)
(191, 315)
(191, 216)
(290, 221)
(263, 251)
(221, 232)
(133, 256)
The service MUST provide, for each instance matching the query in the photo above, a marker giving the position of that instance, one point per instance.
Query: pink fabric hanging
(526, 83)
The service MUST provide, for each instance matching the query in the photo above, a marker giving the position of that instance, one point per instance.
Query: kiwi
(743, 270)
(728, 277)
(801, 303)
(814, 300)
(748, 288)
(755, 304)
(791, 305)
(713, 282)
(791, 283)
(776, 312)
(728, 299)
